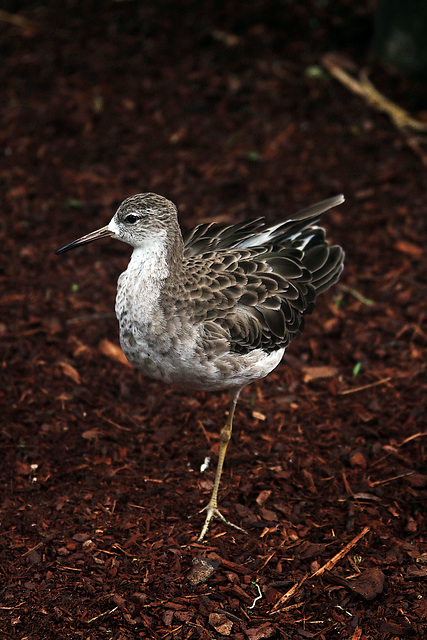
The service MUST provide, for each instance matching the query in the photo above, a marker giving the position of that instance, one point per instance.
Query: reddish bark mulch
(225, 109)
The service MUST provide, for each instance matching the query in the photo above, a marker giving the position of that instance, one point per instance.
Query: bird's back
(254, 284)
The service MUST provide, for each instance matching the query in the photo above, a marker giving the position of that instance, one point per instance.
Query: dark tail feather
(328, 271)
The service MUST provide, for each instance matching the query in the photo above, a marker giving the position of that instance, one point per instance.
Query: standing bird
(216, 308)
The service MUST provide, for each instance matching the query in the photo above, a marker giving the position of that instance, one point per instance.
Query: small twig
(415, 329)
(113, 424)
(27, 553)
(364, 88)
(205, 433)
(365, 386)
(40, 544)
(117, 546)
(338, 556)
(266, 562)
(101, 615)
(401, 119)
(399, 116)
(16, 606)
(290, 593)
(172, 631)
(387, 480)
(420, 434)
(228, 615)
(290, 607)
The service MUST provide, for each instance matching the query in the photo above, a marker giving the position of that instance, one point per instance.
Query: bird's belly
(150, 351)
(180, 361)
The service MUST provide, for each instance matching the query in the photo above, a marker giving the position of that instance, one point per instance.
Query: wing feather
(251, 286)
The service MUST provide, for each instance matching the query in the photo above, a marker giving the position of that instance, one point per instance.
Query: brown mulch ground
(224, 108)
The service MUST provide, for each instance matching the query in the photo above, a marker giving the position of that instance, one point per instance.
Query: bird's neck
(159, 258)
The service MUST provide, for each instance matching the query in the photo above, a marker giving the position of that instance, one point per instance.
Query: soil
(226, 109)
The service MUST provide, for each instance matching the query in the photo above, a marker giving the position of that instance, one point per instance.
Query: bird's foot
(214, 512)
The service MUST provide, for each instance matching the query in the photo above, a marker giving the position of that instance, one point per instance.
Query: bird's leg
(212, 506)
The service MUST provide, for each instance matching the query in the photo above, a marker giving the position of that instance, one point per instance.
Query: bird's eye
(131, 219)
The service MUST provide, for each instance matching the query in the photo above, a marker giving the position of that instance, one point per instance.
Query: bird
(215, 308)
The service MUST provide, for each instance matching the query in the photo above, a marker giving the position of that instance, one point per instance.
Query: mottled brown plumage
(216, 308)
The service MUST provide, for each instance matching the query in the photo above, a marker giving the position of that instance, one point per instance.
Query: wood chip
(202, 570)
(221, 623)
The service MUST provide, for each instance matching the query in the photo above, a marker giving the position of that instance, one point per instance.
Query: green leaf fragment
(356, 369)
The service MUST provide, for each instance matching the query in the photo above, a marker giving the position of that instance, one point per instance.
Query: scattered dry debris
(100, 467)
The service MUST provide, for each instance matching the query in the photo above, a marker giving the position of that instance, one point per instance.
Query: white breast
(139, 287)
(138, 310)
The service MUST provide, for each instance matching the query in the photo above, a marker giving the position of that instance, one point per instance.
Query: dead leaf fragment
(70, 371)
(114, 352)
(368, 584)
(80, 348)
(315, 373)
(91, 434)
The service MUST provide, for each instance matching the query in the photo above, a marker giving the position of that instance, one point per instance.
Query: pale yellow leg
(212, 506)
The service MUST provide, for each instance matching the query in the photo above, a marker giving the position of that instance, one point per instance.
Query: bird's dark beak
(90, 237)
